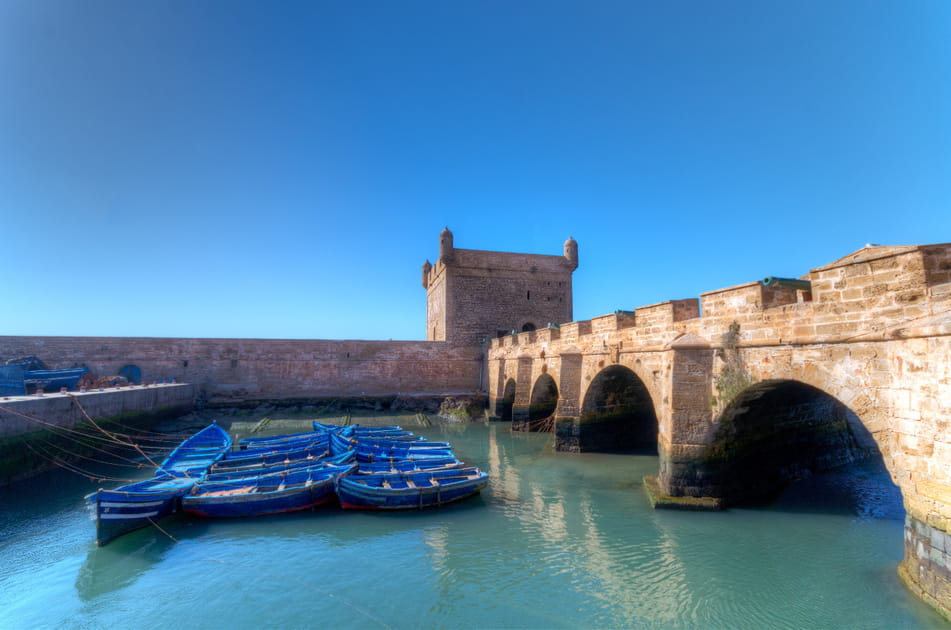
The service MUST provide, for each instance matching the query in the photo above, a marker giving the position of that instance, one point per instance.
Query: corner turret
(571, 253)
(445, 245)
(427, 267)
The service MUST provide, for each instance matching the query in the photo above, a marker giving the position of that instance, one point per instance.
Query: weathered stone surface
(873, 336)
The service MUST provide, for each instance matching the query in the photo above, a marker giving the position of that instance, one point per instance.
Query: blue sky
(255, 169)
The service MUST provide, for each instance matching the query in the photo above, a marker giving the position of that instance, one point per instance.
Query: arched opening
(528, 327)
(544, 400)
(617, 413)
(503, 406)
(776, 433)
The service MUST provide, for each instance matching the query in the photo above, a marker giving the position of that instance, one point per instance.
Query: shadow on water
(863, 490)
(121, 562)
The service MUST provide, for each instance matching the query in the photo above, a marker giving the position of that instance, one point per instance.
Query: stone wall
(35, 430)
(269, 368)
(873, 333)
(473, 294)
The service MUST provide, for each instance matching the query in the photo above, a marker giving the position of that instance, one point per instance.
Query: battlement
(472, 295)
(877, 290)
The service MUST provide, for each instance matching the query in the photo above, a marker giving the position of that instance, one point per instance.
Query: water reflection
(555, 541)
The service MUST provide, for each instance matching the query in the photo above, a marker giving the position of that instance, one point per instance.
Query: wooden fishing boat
(136, 505)
(407, 465)
(416, 444)
(366, 453)
(221, 474)
(238, 459)
(316, 441)
(278, 440)
(265, 494)
(402, 491)
(356, 429)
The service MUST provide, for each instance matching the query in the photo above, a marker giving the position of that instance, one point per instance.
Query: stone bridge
(753, 386)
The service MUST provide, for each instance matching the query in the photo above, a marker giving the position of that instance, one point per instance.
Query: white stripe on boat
(113, 504)
(122, 517)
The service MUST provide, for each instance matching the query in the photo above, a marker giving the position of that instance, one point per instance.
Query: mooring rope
(93, 422)
(280, 576)
(74, 469)
(132, 463)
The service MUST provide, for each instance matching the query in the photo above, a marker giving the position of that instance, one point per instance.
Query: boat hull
(292, 499)
(355, 493)
(119, 512)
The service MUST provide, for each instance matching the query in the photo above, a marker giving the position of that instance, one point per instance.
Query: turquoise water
(556, 541)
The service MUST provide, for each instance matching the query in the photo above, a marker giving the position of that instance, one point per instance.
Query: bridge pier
(926, 568)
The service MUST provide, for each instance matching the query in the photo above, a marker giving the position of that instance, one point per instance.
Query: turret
(445, 245)
(571, 252)
(427, 267)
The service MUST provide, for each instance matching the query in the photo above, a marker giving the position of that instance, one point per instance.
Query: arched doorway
(543, 402)
(617, 413)
(778, 432)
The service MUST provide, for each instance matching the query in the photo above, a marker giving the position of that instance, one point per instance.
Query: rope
(93, 422)
(281, 576)
(67, 432)
(132, 464)
(73, 469)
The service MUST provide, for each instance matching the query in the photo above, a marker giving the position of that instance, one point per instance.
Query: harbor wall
(34, 429)
(239, 369)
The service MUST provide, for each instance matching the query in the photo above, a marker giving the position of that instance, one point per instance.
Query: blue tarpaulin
(11, 381)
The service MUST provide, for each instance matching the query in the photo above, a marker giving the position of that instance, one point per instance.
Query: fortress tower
(473, 294)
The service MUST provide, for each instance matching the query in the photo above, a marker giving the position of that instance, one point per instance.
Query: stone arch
(544, 399)
(776, 432)
(617, 413)
(528, 327)
(503, 405)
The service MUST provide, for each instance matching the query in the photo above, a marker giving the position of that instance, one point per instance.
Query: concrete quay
(41, 417)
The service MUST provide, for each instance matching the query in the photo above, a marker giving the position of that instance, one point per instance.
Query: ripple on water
(555, 541)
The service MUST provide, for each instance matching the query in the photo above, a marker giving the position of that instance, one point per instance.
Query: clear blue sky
(282, 169)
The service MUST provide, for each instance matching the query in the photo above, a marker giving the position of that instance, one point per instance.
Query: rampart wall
(265, 368)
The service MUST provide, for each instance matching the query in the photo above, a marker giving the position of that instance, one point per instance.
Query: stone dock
(45, 417)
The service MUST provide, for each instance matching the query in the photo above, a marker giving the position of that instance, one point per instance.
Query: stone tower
(473, 294)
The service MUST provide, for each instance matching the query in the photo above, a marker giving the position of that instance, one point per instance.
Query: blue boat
(315, 442)
(407, 465)
(53, 380)
(367, 453)
(138, 504)
(266, 494)
(356, 429)
(404, 491)
(279, 440)
(219, 474)
(271, 457)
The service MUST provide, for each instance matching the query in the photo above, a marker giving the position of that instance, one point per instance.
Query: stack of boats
(364, 467)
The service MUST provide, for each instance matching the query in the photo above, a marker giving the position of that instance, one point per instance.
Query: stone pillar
(496, 369)
(690, 419)
(925, 568)
(523, 395)
(568, 411)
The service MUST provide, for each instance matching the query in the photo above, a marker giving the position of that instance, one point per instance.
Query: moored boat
(265, 494)
(414, 490)
(220, 474)
(138, 504)
(279, 440)
(407, 465)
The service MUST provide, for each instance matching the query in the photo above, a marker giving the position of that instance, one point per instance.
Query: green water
(556, 541)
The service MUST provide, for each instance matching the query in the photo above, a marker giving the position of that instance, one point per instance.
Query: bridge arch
(617, 413)
(543, 401)
(503, 405)
(776, 432)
